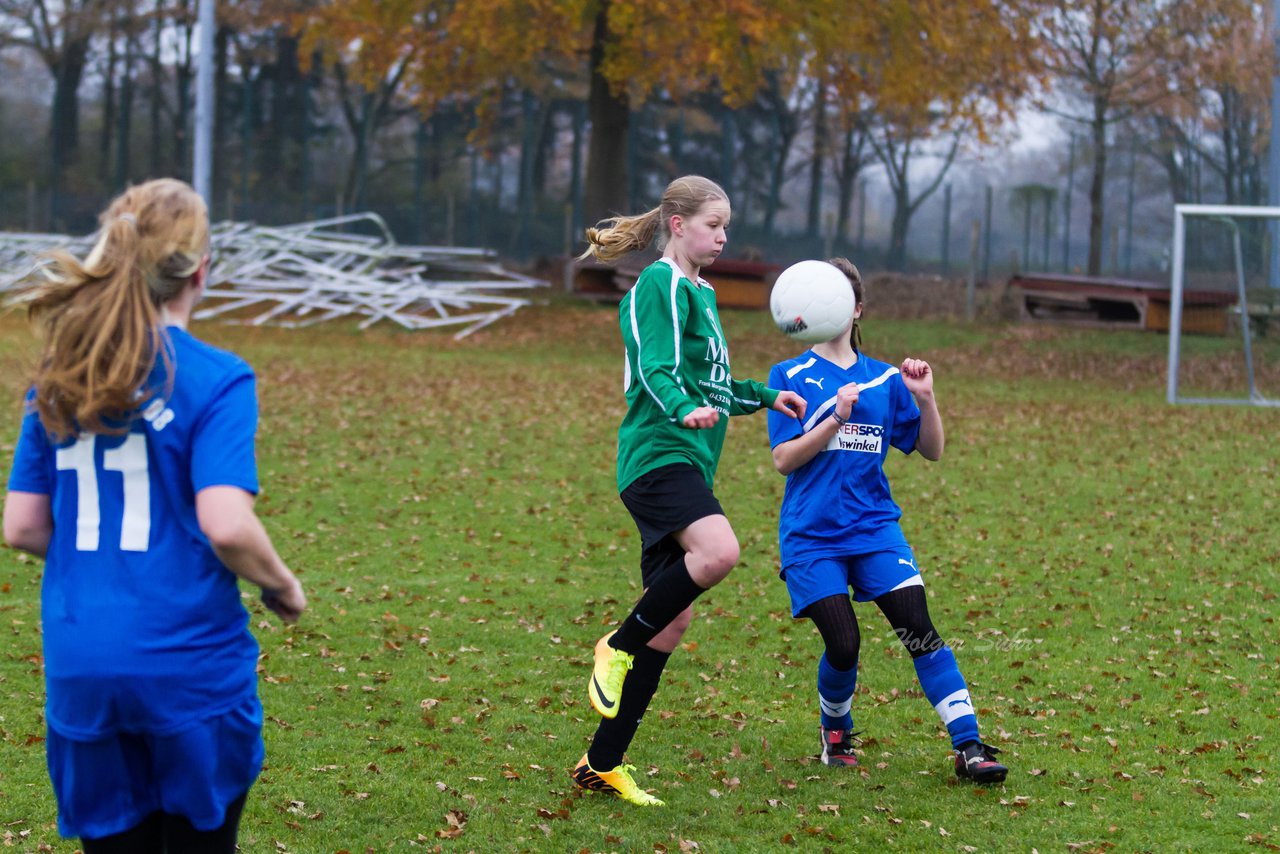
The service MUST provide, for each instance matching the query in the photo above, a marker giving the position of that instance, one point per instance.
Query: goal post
(1231, 244)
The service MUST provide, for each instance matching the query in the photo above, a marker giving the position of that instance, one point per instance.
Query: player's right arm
(654, 326)
(28, 510)
(28, 522)
(794, 453)
(224, 476)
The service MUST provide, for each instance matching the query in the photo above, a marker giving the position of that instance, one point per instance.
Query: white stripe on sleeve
(635, 333)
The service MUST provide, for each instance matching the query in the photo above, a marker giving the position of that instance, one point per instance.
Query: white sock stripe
(835, 710)
(955, 705)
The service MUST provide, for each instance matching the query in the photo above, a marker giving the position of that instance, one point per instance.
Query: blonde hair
(99, 319)
(844, 265)
(615, 237)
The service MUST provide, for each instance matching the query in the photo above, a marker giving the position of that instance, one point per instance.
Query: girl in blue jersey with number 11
(838, 528)
(134, 478)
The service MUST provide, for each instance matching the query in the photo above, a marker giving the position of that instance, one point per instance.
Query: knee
(842, 654)
(714, 563)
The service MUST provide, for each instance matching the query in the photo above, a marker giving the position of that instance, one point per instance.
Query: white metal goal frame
(311, 272)
(1226, 214)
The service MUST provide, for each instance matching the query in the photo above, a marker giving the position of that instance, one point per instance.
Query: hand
(917, 376)
(287, 602)
(846, 399)
(702, 418)
(790, 404)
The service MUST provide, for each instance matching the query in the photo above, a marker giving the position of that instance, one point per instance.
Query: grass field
(1105, 566)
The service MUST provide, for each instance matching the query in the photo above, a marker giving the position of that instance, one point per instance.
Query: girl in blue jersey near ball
(838, 528)
(134, 478)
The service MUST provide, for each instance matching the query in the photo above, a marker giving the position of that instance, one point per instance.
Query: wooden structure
(1116, 303)
(738, 284)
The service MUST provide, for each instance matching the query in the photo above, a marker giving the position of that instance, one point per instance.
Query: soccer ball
(812, 301)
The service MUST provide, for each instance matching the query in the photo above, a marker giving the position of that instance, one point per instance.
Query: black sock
(613, 736)
(668, 595)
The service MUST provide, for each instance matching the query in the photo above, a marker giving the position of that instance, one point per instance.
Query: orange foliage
(968, 58)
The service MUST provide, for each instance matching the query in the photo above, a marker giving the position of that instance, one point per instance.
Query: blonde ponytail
(611, 239)
(685, 196)
(99, 319)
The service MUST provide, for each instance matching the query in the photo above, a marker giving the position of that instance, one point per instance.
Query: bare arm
(791, 455)
(918, 378)
(225, 515)
(28, 522)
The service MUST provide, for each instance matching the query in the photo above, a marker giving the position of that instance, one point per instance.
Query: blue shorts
(870, 576)
(110, 785)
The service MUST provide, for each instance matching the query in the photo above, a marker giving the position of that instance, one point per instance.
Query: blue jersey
(143, 626)
(838, 503)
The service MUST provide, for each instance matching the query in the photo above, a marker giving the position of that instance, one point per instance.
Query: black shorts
(663, 501)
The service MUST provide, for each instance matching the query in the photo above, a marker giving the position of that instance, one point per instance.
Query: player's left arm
(28, 522)
(917, 376)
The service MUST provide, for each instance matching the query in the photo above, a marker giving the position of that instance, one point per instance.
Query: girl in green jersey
(679, 391)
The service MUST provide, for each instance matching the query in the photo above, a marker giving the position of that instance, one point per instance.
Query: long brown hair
(844, 265)
(99, 319)
(615, 237)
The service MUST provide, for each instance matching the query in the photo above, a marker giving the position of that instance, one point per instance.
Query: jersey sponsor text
(866, 438)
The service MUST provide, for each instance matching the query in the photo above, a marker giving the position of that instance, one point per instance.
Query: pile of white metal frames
(312, 272)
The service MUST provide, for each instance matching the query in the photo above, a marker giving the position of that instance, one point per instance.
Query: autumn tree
(918, 77)
(1108, 56)
(1219, 84)
(627, 50)
(61, 34)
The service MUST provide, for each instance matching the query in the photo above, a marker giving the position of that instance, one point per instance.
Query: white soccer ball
(812, 301)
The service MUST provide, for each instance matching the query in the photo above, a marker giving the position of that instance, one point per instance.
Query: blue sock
(940, 678)
(835, 694)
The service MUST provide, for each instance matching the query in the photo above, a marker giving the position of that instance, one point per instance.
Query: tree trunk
(358, 175)
(850, 169)
(605, 193)
(545, 149)
(222, 122)
(529, 133)
(575, 166)
(813, 221)
(156, 93)
(282, 142)
(64, 127)
(108, 105)
(182, 100)
(1096, 185)
(125, 120)
(728, 148)
(784, 135)
(902, 210)
(675, 140)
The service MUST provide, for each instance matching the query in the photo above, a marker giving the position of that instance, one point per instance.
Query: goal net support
(1219, 269)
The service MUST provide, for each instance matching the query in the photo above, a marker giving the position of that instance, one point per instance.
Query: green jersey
(677, 360)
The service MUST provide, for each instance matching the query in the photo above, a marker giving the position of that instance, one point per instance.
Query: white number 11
(130, 459)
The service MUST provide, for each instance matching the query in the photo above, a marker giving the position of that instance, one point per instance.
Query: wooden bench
(1116, 303)
(738, 284)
